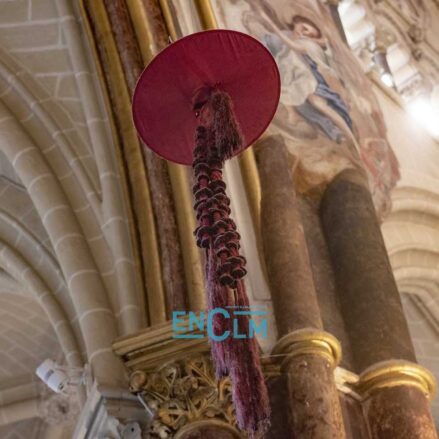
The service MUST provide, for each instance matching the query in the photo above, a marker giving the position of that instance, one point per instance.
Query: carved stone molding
(176, 379)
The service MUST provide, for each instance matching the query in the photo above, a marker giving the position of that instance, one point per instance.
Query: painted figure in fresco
(310, 82)
(328, 113)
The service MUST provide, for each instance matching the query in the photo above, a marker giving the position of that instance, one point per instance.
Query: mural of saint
(317, 91)
(328, 114)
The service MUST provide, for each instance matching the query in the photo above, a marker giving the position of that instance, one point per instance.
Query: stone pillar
(394, 391)
(153, 24)
(294, 299)
(323, 275)
(307, 354)
(149, 181)
(396, 397)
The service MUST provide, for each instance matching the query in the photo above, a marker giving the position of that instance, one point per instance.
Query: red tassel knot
(216, 141)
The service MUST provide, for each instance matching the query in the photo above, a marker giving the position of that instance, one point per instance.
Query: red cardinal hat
(199, 102)
(233, 62)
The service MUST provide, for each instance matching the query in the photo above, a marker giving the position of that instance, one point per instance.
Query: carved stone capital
(184, 392)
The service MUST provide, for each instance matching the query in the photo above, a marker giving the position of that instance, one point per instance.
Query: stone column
(394, 391)
(149, 182)
(307, 354)
(154, 26)
(323, 275)
(286, 254)
(396, 400)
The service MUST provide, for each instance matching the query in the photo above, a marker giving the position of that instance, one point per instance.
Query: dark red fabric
(217, 139)
(231, 61)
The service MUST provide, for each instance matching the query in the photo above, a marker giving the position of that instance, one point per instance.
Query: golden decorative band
(396, 373)
(308, 342)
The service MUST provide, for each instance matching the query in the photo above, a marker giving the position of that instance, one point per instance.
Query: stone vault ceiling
(26, 337)
(59, 192)
(32, 429)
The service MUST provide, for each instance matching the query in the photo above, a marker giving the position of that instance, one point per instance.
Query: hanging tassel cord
(225, 267)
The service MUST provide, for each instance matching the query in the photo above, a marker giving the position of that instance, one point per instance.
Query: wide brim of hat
(232, 61)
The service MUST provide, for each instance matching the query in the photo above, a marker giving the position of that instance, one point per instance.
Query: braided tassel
(217, 234)
(207, 211)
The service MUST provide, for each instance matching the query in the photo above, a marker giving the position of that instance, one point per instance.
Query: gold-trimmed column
(393, 385)
(396, 400)
(307, 354)
(367, 291)
(308, 342)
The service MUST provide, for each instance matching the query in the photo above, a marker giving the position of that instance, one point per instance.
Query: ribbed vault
(68, 279)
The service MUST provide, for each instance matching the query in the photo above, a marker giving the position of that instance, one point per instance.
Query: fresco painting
(328, 114)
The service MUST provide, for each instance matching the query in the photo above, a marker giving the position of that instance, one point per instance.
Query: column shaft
(316, 411)
(367, 290)
(165, 225)
(394, 404)
(314, 405)
(286, 255)
(400, 412)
